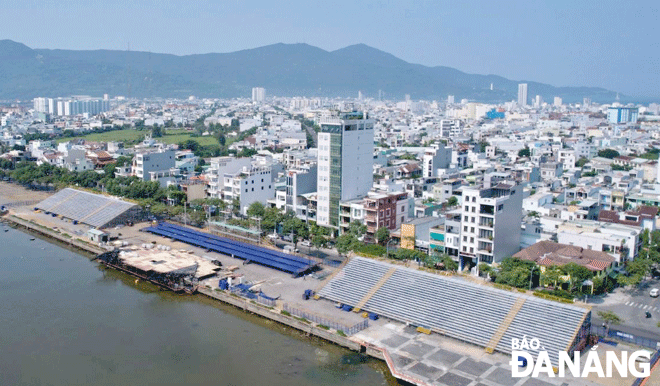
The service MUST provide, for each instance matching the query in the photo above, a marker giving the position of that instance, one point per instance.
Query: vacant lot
(134, 136)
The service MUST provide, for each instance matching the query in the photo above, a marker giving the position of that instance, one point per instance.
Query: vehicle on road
(273, 236)
(306, 243)
(654, 293)
(290, 249)
(288, 238)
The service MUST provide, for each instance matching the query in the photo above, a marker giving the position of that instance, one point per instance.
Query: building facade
(345, 163)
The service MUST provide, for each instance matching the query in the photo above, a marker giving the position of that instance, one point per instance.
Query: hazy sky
(612, 44)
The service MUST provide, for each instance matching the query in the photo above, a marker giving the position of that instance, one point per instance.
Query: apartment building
(490, 223)
(345, 163)
(151, 166)
(248, 185)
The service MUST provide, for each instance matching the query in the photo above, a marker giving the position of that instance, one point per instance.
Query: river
(68, 321)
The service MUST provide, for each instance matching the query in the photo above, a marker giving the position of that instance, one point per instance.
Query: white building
(558, 102)
(522, 94)
(434, 158)
(152, 166)
(490, 223)
(621, 241)
(251, 184)
(220, 166)
(345, 163)
(258, 94)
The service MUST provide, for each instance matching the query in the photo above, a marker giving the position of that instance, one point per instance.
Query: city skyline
(575, 47)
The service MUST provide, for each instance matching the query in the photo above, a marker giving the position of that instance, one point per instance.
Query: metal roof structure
(248, 252)
(88, 208)
(474, 313)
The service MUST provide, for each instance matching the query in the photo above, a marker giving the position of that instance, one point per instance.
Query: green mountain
(283, 69)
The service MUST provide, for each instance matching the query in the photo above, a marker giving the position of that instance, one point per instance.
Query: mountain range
(283, 69)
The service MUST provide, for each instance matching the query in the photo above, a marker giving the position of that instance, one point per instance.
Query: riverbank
(276, 314)
(62, 237)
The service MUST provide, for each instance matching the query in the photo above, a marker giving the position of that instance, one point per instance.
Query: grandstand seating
(88, 208)
(252, 253)
(454, 307)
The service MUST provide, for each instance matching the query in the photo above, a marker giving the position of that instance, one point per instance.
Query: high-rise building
(622, 114)
(345, 163)
(258, 94)
(522, 94)
(558, 102)
(450, 100)
(41, 105)
(538, 101)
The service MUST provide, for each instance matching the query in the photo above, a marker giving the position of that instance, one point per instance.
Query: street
(631, 305)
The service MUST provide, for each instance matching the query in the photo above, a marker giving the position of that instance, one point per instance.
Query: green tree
(256, 209)
(382, 235)
(578, 274)
(524, 152)
(608, 153)
(357, 229)
(581, 162)
(346, 243)
(609, 317)
(551, 275)
(452, 201)
(157, 131)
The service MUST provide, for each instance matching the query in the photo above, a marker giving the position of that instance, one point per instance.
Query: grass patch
(341, 333)
(132, 136)
(302, 320)
(285, 313)
(323, 326)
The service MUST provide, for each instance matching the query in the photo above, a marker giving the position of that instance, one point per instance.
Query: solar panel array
(454, 307)
(252, 253)
(87, 208)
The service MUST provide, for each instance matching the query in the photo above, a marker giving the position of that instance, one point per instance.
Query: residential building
(490, 223)
(522, 94)
(548, 253)
(622, 114)
(153, 165)
(434, 158)
(215, 174)
(258, 94)
(345, 163)
(248, 185)
(621, 241)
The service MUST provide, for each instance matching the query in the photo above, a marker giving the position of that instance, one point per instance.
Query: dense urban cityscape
(252, 194)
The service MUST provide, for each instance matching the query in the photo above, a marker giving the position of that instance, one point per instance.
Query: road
(311, 132)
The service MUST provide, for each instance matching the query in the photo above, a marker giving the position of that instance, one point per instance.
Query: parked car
(273, 236)
(306, 243)
(654, 293)
(288, 238)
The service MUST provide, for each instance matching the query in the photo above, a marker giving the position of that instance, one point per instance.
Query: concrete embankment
(276, 315)
(50, 233)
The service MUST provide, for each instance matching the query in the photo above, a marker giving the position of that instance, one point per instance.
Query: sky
(610, 44)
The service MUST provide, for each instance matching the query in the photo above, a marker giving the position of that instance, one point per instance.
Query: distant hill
(283, 69)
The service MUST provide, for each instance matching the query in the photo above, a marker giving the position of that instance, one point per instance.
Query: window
(467, 208)
(474, 208)
(465, 238)
(473, 219)
(472, 229)
(472, 239)
(474, 199)
(471, 250)
(465, 228)
(465, 218)
(245, 190)
(253, 189)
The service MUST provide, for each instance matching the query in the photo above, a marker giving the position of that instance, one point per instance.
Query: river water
(68, 321)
